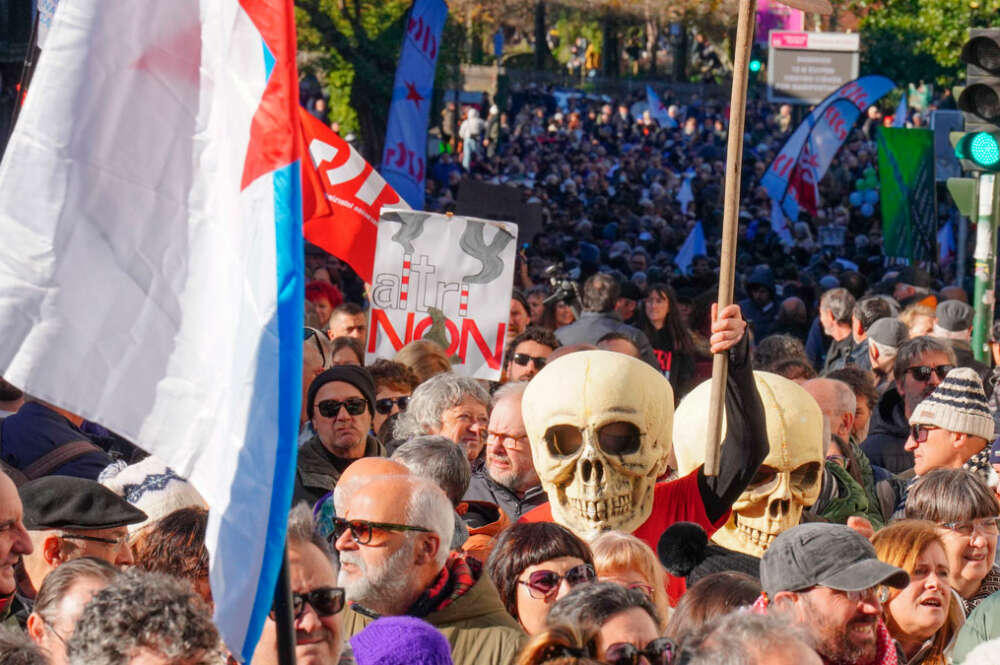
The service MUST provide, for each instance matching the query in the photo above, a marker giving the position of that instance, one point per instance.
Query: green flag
(906, 172)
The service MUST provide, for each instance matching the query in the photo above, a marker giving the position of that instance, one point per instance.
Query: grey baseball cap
(830, 555)
(889, 331)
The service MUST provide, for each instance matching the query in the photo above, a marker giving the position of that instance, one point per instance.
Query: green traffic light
(981, 148)
(755, 65)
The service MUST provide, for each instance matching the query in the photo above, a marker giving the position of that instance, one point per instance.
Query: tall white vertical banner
(151, 261)
(460, 266)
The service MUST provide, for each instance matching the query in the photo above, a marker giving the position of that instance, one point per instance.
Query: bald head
(837, 402)
(794, 309)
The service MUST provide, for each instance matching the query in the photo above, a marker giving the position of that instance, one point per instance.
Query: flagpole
(283, 614)
(730, 215)
(731, 209)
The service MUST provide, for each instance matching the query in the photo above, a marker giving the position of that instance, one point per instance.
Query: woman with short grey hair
(452, 406)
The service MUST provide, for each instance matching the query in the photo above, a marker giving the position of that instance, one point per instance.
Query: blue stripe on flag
(268, 61)
(290, 315)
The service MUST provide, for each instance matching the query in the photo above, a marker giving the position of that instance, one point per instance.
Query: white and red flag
(151, 263)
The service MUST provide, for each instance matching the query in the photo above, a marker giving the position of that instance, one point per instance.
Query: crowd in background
(422, 529)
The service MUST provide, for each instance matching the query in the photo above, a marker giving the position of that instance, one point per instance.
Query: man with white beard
(393, 533)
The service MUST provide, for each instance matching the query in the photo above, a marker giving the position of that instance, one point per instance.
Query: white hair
(884, 350)
(429, 508)
(964, 335)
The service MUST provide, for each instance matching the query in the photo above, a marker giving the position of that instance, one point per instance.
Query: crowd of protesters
(415, 534)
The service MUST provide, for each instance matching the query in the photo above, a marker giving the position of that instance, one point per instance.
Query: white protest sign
(463, 267)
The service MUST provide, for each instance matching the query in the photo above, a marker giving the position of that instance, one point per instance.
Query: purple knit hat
(401, 641)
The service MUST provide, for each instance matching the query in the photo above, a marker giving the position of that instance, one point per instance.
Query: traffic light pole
(985, 257)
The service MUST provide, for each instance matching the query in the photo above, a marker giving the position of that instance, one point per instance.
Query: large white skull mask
(789, 478)
(599, 423)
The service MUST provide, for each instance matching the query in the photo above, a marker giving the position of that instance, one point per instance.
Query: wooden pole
(730, 216)
(731, 209)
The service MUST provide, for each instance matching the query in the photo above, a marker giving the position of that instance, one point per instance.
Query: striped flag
(151, 263)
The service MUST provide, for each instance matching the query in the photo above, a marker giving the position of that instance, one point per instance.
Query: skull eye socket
(805, 475)
(764, 475)
(618, 438)
(563, 439)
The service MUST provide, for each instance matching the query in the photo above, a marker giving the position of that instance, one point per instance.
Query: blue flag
(692, 247)
(899, 120)
(405, 156)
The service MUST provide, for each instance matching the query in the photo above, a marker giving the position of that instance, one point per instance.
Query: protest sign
(906, 172)
(460, 266)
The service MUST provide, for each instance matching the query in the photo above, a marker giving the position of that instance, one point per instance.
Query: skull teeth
(754, 536)
(601, 509)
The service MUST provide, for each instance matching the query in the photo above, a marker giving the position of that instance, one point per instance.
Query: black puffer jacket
(888, 433)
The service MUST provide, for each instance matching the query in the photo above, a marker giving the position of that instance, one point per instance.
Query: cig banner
(794, 175)
(460, 267)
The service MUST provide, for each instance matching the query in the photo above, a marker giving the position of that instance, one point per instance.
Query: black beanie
(355, 375)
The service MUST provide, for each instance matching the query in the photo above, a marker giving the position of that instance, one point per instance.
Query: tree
(914, 40)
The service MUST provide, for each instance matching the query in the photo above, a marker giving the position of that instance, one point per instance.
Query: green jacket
(982, 624)
(315, 475)
(849, 499)
(476, 625)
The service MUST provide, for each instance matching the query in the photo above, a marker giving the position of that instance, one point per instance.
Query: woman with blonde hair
(425, 358)
(924, 617)
(624, 559)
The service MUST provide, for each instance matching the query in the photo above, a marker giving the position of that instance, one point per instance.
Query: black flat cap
(64, 502)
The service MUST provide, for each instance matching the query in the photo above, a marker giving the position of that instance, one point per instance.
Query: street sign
(805, 67)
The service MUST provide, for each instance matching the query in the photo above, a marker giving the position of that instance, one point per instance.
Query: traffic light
(980, 100)
(982, 149)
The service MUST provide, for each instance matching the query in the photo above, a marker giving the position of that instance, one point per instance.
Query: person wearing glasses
(69, 518)
(60, 603)
(317, 601)
(535, 564)
(953, 427)
(340, 405)
(507, 477)
(393, 534)
(394, 383)
(623, 622)
(528, 352)
(920, 366)
(965, 510)
(827, 580)
(624, 559)
(456, 407)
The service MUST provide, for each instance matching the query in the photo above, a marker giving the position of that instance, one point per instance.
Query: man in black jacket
(921, 364)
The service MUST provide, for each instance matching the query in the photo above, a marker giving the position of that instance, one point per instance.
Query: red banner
(342, 196)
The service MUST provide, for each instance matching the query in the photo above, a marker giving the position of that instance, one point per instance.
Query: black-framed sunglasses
(922, 373)
(384, 405)
(523, 359)
(543, 583)
(308, 332)
(327, 601)
(362, 530)
(329, 408)
(919, 432)
(658, 652)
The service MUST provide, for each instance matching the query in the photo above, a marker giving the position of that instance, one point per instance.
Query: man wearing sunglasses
(920, 366)
(340, 404)
(393, 535)
(528, 353)
(317, 601)
(69, 518)
(952, 426)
